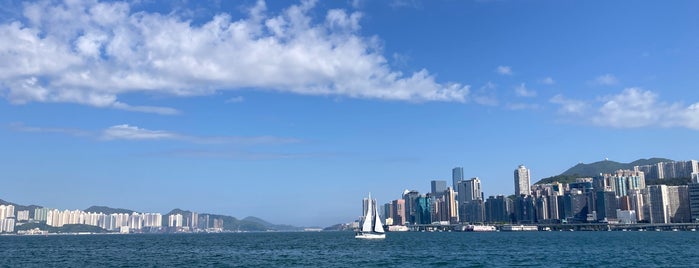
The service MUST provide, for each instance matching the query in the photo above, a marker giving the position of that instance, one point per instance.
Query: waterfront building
(576, 206)
(387, 211)
(153, 220)
(542, 209)
(423, 210)
(471, 208)
(23, 215)
(524, 209)
(522, 177)
(452, 207)
(636, 203)
(7, 225)
(40, 214)
(218, 224)
(606, 205)
(410, 210)
(457, 174)
(438, 187)
(473, 211)
(678, 204)
(7, 211)
(658, 204)
(555, 207)
(194, 221)
(398, 213)
(175, 220)
(439, 208)
(497, 209)
(693, 194)
(626, 216)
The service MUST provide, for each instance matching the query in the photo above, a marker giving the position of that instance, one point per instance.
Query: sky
(294, 111)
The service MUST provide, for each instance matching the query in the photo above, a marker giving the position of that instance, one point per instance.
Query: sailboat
(372, 228)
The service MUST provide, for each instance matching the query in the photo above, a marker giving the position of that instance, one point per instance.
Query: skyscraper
(457, 174)
(522, 180)
(438, 188)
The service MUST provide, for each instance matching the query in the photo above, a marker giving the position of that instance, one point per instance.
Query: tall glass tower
(457, 174)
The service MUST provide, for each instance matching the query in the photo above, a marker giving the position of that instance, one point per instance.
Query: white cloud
(485, 95)
(127, 132)
(21, 127)
(504, 70)
(134, 133)
(569, 106)
(605, 80)
(522, 91)
(632, 108)
(548, 81)
(90, 53)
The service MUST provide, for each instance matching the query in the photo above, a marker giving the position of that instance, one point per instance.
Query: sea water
(341, 249)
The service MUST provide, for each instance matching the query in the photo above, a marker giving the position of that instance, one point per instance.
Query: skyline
(210, 107)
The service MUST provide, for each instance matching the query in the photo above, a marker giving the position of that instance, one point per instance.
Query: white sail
(378, 226)
(366, 227)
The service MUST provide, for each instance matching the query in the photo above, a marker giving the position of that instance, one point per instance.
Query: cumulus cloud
(90, 53)
(485, 95)
(605, 80)
(504, 70)
(522, 91)
(548, 81)
(632, 108)
(569, 106)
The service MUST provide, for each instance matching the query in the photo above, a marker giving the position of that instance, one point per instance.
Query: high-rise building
(658, 198)
(470, 190)
(678, 204)
(398, 213)
(23, 215)
(452, 208)
(522, 180)
(437, 188)
(606, 205)
(175, 220)
(693, 189)
(457, 174)
(410, 197)
(423, 210)
(40, 214)
(497, 209)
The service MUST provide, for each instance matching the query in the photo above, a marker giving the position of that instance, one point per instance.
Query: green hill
(590, 170)
(608, 166)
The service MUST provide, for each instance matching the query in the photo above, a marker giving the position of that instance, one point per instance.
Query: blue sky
(294, 111)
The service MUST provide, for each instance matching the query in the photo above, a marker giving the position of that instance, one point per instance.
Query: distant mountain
(21, 207)
(339, 227)
(230, 223)
(276, 227)
(590, 170)
(108, 210)
(607, 166)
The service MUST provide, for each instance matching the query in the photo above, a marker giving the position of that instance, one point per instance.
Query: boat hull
(370, 236)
